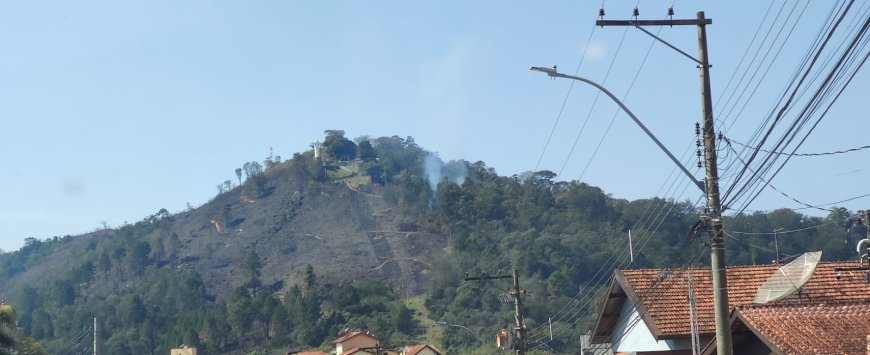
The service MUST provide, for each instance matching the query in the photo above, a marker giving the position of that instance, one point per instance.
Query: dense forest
(564, 237)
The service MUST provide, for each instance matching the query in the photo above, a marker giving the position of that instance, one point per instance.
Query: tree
(252, 266)
(309, 282)
(239, 175)
(7, 324)
(227, 213)
(365, 150)
(338, 146)
(11, 340)
(256, 168)
(247, 168)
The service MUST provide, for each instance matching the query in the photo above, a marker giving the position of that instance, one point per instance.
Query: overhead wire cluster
(652, 218)
(787, 25)
(837, 54)
(78, 344)
(825, 78)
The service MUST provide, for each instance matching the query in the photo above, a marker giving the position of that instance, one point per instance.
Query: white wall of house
(632, 335)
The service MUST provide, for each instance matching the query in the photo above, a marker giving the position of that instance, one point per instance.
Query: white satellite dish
(788, 278)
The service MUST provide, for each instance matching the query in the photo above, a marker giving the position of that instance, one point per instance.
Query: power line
(845, 67)
(565, 100)
(786, 231)
(615, 114)
(843, 151)
(595, 100)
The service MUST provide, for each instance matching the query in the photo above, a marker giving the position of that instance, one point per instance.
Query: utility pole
(520, 327)
(867, 221)
(714, 209)
(95, 336)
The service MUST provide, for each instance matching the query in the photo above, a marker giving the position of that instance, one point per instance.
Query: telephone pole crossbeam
(717, 249)
(692, 22)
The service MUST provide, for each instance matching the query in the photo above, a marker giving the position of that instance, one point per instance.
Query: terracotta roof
(665, 308)
(416, 349)
(351, 335)
(832, 328)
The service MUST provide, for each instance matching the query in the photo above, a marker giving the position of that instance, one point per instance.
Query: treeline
(560, 235)
(566, 237)
(151, 308)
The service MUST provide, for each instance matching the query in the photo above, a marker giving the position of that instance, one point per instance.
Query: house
(422, 349)
(828, 328)
(647, 310)
(355, 341)
(183, 350)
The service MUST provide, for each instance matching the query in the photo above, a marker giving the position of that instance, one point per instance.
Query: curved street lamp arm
(554, 74)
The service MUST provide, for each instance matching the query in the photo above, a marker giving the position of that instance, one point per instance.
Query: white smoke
(432, 168)
(437, 171)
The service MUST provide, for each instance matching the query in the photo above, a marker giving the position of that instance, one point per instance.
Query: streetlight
(445, 324)
(554, 74)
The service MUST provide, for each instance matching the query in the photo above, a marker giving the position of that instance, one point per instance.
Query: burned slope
(289, 219)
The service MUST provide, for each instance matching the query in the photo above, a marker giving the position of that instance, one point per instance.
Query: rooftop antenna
(788, 279)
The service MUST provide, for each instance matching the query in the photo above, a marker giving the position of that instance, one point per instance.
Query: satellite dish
(788, 278)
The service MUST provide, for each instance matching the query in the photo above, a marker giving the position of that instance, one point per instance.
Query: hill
(303, 248)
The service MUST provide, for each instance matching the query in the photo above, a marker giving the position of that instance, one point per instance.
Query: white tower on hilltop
(316, 145)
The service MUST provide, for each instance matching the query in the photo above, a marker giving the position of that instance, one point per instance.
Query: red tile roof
(351, 335)
(416, 349)
(664, 306)
(839, 328)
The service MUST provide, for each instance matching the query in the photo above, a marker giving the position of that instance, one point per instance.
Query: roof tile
(838, 328)
(664, 295)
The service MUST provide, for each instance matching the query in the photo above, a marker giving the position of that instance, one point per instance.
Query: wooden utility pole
(520, 327)
(714, 209)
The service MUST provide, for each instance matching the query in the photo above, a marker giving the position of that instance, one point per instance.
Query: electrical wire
(595, 100)
(611, 264)
(615, 114)
(597, 295)
(822, 94)
(653, 293)
(843, 151)
(786, 231)
(818, 39)
(74, 342)
(565, 100)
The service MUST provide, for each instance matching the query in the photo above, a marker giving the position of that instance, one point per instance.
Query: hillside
(305, 247)
(346, 234)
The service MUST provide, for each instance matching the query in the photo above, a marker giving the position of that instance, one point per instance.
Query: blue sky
(112, 110)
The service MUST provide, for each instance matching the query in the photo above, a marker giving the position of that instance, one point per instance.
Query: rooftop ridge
(733, 266)
(806, 304)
